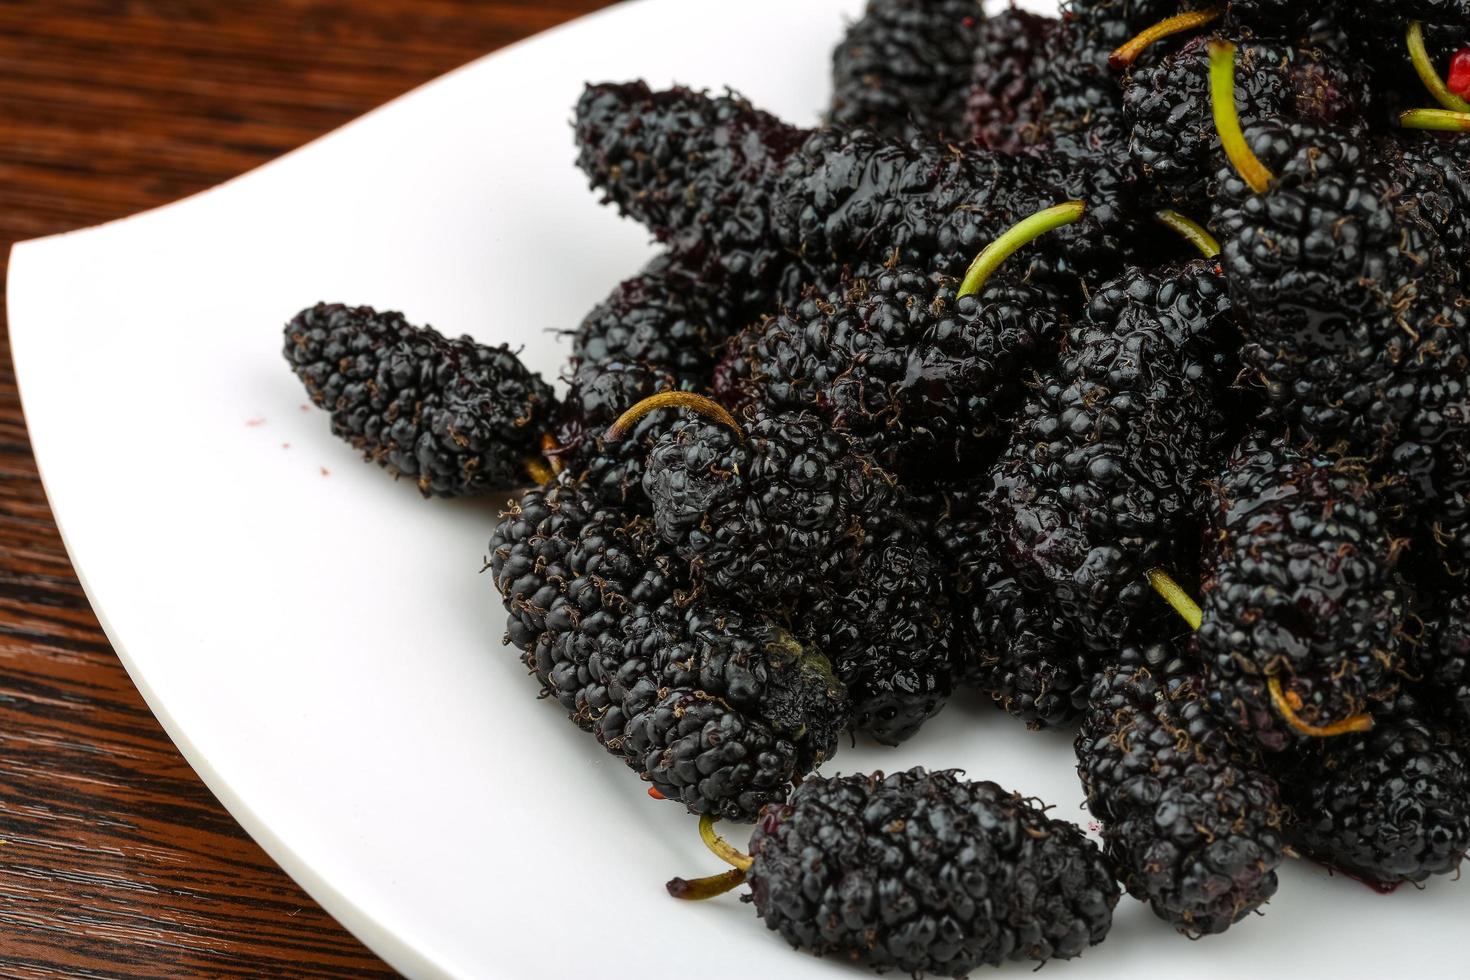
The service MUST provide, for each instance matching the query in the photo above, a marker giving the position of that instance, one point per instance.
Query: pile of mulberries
(1112, 366)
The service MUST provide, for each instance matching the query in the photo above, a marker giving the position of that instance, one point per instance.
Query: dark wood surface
(114, 857)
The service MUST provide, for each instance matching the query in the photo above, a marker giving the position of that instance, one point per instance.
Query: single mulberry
(456, 417)
(1302, 614)
(1192, 824)
(901, 69)
(921, 872)
(890, 634)
(1388, 806)
(767, 511)
(1104, 471)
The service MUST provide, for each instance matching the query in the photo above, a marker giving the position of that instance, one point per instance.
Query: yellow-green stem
(722, 848)
(1356, 723)
(1179, 23)
(1192, 231)
(1441, 120)
(1227, 120)
(1022, 234)
(709, 408)
(1428, 74)
(1176, 597)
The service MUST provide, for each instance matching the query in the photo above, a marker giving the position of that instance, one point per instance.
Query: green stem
(1440, 120)
(1176, 597)
(1016, 238)
(1227, 120)
(1192, 231)
(1428, 74)
(722, 848)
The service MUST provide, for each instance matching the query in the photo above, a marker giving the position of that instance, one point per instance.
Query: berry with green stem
(927, 843)
(912, 367)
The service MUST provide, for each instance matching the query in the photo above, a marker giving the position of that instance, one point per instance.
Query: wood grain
(115, 860)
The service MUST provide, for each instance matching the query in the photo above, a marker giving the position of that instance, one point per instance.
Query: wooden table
(114, 857)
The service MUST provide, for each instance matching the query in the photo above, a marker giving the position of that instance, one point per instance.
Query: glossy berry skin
(612, 470)
(1015, 645)
(666, 318)
(615, 570)
(890, 634)
(695, 170)
(1081, 92)
(1433, 177)
(731, 708)
(848, 197)
(1193, 826)
(1171, 128)
(767, 515)
(901, 69)
(1314, 253)
(923, 872)
(1356, 330)
(1004, 105)
(529, 549)
(1439, 662)
(1299, 586)
(1387, 806)
(456, 417)
(913, 374)
(1103, 473)
(719, 708)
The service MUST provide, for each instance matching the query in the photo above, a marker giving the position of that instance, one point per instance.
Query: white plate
(316, 638)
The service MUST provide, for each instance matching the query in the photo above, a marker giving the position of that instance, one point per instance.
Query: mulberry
(1004, 105)
(1194, 828)
(890, 634)
(768, 513)
(1388, 806)
(902, 68)
(1301, 614)
(1104, 470)
(456, 417)
(922, 872)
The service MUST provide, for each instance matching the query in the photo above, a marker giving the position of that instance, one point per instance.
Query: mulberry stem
(1020, 235)
(1357, 723)
(1428, 74)
(722, 848)
(709, 408)
(1176, 597)
(701, 889)
(1227, 119)
(1178, 24)
(1192, 231)
(1436, 119)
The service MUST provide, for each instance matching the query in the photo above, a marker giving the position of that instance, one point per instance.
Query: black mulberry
(457, 417)
(1193, 826)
